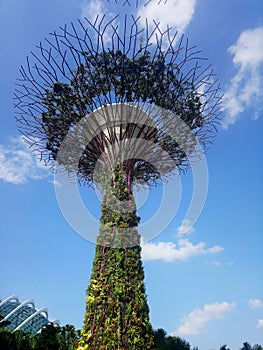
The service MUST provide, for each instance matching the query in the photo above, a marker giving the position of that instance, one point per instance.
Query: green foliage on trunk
(117, 314)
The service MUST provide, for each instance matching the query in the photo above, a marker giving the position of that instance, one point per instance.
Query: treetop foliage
(121, 79)
(66, 338)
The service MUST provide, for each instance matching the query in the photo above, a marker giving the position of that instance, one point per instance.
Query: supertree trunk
(117, 314)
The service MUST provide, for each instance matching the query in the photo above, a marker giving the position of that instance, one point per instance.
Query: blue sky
(204, 284)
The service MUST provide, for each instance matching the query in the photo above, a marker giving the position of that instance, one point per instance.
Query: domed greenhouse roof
(23, 315)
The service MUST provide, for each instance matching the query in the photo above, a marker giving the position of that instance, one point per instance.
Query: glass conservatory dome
(23, 315)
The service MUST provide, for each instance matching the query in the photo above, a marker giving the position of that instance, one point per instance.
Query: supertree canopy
(117, 101)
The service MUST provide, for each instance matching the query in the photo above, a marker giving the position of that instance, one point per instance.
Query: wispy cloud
(169, 251)
(175, 13)
(18, 164)
(195, 322)
(246, 87)
(95, 10)
(255, 304)
(186, 228)
(217, 263)
(260, 323)
(91, 9)
(55, 183)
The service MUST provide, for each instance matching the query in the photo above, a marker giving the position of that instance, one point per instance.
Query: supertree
(117, 101)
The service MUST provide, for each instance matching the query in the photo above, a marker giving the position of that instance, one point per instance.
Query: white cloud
(186, 228)
(246, 87)
(169, 251)
(91, 9)
(260, 323)
(95, 10)
(195, 322)
(55, 183)
(255, 304)
(18, 164)
(175, 13)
